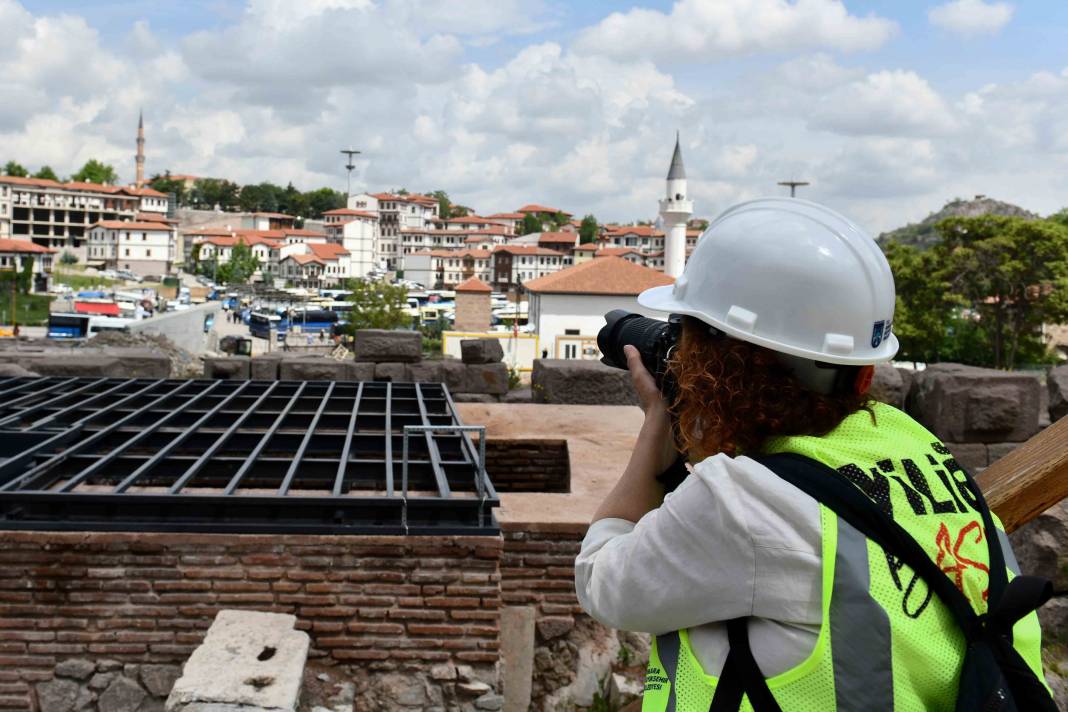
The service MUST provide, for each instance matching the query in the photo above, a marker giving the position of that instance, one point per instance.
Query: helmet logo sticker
(877, 333)
(889, 327)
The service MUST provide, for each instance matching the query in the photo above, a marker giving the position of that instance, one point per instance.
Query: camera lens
(645, 334)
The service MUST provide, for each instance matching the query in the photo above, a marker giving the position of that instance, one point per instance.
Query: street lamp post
(793, 185)
(349, 165)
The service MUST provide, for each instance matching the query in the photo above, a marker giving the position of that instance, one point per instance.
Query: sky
(889, 108)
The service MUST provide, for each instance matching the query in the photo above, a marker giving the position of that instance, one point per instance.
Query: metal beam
(340, 479)
(291, 473)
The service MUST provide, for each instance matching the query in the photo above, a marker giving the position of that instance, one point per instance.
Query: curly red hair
(731, 396)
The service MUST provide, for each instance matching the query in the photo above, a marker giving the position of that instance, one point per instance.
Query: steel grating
(239, 456)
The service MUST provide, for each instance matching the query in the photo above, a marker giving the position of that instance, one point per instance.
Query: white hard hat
(790, 275)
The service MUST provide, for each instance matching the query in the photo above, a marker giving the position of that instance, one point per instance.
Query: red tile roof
(354, 213)
(16, 245)
(506, 216)
(274, 215)
(607, 275)
(302, 232)
(303, 259)
(526, 250)
(143, 192)
(473, 284)
(327, 250)
(556, 238)
(535, 208)
(640, 230)
(617, 251)
(122, 225)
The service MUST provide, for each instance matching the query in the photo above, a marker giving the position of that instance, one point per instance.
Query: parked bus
(261, 324)
(81, 326)
(312, 321)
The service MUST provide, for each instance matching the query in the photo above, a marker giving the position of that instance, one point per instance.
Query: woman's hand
(655, 437)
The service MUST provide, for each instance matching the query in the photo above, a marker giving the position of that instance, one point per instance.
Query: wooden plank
(1030, 479)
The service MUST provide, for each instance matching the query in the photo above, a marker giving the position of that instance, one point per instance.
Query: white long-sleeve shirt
(733, 540)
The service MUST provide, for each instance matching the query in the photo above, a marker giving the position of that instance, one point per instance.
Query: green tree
(15, 169)
(531, 223)
(209, 192)
(982, 293)
(46, 173)
(459, 211)
(165, 184)
(68, 258)
(319, 201)
(559, 220)
(95, 171)
(588, 230)
(240, 267)
(444, 204)
(26, 275)
(377, 305)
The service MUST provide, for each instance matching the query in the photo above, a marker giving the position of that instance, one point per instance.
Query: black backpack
(994, 678)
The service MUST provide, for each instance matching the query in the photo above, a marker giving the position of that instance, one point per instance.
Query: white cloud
(888, 103)
(971, 17)
(698, 30)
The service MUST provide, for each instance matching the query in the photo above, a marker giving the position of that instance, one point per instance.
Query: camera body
(654, 339)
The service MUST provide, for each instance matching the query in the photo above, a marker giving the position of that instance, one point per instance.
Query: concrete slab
(247, 658)
(517, 656)
(599, 438)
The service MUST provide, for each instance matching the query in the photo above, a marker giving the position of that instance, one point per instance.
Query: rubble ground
(183, 363)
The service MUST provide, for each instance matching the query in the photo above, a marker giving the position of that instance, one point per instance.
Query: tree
(459, 211)
(444, 204)
(982, 293)
(588, 230)
(46, 173)
(15, 169)
(319, 201)
(95, 171)
(559, 220)
(531, 223)
(68, 258)
(240, 267)
(166, 184)
(209, 192)
(377, 305)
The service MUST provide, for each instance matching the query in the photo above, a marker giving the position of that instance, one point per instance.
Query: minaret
(675, 211)
(140, 183)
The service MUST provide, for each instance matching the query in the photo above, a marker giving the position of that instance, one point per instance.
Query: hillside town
(533, 357)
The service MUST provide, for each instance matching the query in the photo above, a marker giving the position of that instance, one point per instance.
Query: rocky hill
(923, 234)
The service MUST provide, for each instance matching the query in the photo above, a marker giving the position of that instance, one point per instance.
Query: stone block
(517, 656)
(312, 369)
(77, 669)
(384, 345)
(888, 386)
(360, 371)
(228, 367)
(122, 695)
(551, 627)
(425, 372)
(394, 372)
(159, 679)
(1041, 546)
(89, 363)
(248, 658)
(474, 398)
(481, 351)
(519, 395)
(1057, 387)
(453, 374)
(57, 695)
(581, 382)
(489, 378)
(973, 457)
(964, 404)
(264, 368)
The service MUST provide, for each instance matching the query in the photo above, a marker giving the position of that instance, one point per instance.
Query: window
(127, 254)
(570, 350)
(148, 253)
(571, 332)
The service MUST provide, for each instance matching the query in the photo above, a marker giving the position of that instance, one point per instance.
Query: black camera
(653, 338)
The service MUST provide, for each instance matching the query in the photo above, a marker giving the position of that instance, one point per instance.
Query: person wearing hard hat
(825, 551)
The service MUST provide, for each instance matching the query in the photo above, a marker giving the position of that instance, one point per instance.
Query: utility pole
(794, 185)
(350, 153)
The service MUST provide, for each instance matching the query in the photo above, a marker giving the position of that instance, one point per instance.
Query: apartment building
(59, 215)
(315, 264)
(395, 213)
(144, 248)
(358, 232)
(444, 269)
(518, 264)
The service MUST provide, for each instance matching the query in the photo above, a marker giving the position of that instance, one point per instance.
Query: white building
(59, 215)
(144, 248)
(515, 264)
(444, 269)
(12, 254)
(395, 213)
(315, 264)
(567, 308)
(358, 232)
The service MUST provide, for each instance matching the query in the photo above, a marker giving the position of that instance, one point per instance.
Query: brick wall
(538, 569)
(532, 465)
(369, 602)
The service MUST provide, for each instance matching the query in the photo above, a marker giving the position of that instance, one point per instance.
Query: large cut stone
(264, 367)
(317, 368)
(964, 404)
(489, 378)
(229, 367)
(481, 351)
(453, 374)
(888, 386)
(383, 345)
(159, 679)
(122, 695)
(88, 363)
(1041, 546)
(395, 372)
(425, 372)
(1057, 385)
(247, 658)
(57, 695)
(14, 370)
(581, 382)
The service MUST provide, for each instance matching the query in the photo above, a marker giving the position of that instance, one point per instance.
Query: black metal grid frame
(239, 456)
